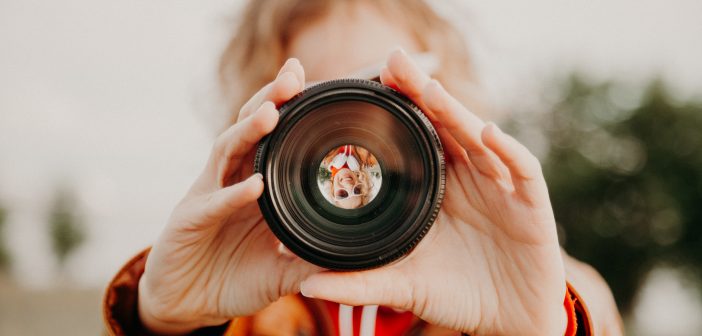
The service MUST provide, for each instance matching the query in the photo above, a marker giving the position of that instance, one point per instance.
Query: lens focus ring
(359, 136)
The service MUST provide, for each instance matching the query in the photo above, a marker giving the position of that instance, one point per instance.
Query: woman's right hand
(216, 259)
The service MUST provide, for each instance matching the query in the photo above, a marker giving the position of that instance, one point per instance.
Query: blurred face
(353, 36)
(346, 190)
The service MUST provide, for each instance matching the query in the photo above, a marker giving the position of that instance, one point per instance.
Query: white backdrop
(118, 99)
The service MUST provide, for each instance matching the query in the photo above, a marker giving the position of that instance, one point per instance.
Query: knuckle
(407, 295)
(361, 290)
(244, 111)
(210, 209)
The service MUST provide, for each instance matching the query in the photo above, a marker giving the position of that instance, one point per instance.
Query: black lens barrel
(361, 113)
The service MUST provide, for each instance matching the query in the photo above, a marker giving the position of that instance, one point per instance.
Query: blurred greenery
(323, 174)
(67, 230)
(4, 254)
(624, 169)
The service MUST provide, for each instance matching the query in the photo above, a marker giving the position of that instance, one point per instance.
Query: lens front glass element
(349, 176)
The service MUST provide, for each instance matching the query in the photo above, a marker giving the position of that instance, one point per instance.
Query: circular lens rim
(278, 215)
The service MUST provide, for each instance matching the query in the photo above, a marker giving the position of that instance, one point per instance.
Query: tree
(4, 254)
(624, 170)
(65, 225)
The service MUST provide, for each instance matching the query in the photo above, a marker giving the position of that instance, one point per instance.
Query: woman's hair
(366, 185)
(260, 43)
(365, 159)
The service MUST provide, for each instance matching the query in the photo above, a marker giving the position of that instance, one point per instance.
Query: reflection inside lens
(349, 176)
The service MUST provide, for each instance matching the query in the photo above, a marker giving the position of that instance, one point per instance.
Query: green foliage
(4, 254)
(323, 174)
(624, 170)
(66, 228)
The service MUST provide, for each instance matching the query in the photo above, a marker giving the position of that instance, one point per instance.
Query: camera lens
(353, 173)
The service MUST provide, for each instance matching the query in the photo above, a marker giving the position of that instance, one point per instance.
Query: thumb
(380, 286)
(227, 200)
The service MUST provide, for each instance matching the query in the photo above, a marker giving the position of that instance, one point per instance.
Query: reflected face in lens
(349, 176)
(347, 190)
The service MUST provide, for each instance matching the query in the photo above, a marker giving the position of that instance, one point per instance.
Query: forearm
(157, 322)
(123, 311)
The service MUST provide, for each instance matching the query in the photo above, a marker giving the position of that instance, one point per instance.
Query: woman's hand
(216, 259)
(491, 265)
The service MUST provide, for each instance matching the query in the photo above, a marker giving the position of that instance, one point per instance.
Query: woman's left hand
(491, 264)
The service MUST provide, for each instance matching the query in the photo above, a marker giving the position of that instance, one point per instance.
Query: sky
(118, 99)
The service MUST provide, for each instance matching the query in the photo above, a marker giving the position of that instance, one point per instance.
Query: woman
(491, 264)
(349, 185)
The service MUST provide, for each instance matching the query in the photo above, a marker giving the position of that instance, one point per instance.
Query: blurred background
(108, 110)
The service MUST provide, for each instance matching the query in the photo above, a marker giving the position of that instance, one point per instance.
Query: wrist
(556, 319)
(160, 320)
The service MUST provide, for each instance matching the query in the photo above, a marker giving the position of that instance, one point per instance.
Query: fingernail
(258, 176)
(304, 289)
(266, 104)
(288, 73)
(398, 50)
(287, 62)
(283, 250)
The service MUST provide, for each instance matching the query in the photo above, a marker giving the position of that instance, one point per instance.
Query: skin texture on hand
(216, 259)
(491, 264)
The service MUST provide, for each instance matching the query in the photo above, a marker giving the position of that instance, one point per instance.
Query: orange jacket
(295, 314)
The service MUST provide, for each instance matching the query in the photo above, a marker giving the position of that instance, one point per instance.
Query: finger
(293, 65)
(289, 82)
(408, 78)
(387, 79)
(296, 270)
(523, 166)
(284, 87)
(225, 201)
(405, 75)
(463, 125)
(241, 138)
(451, 147)
(380, 286)
(453, 150)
